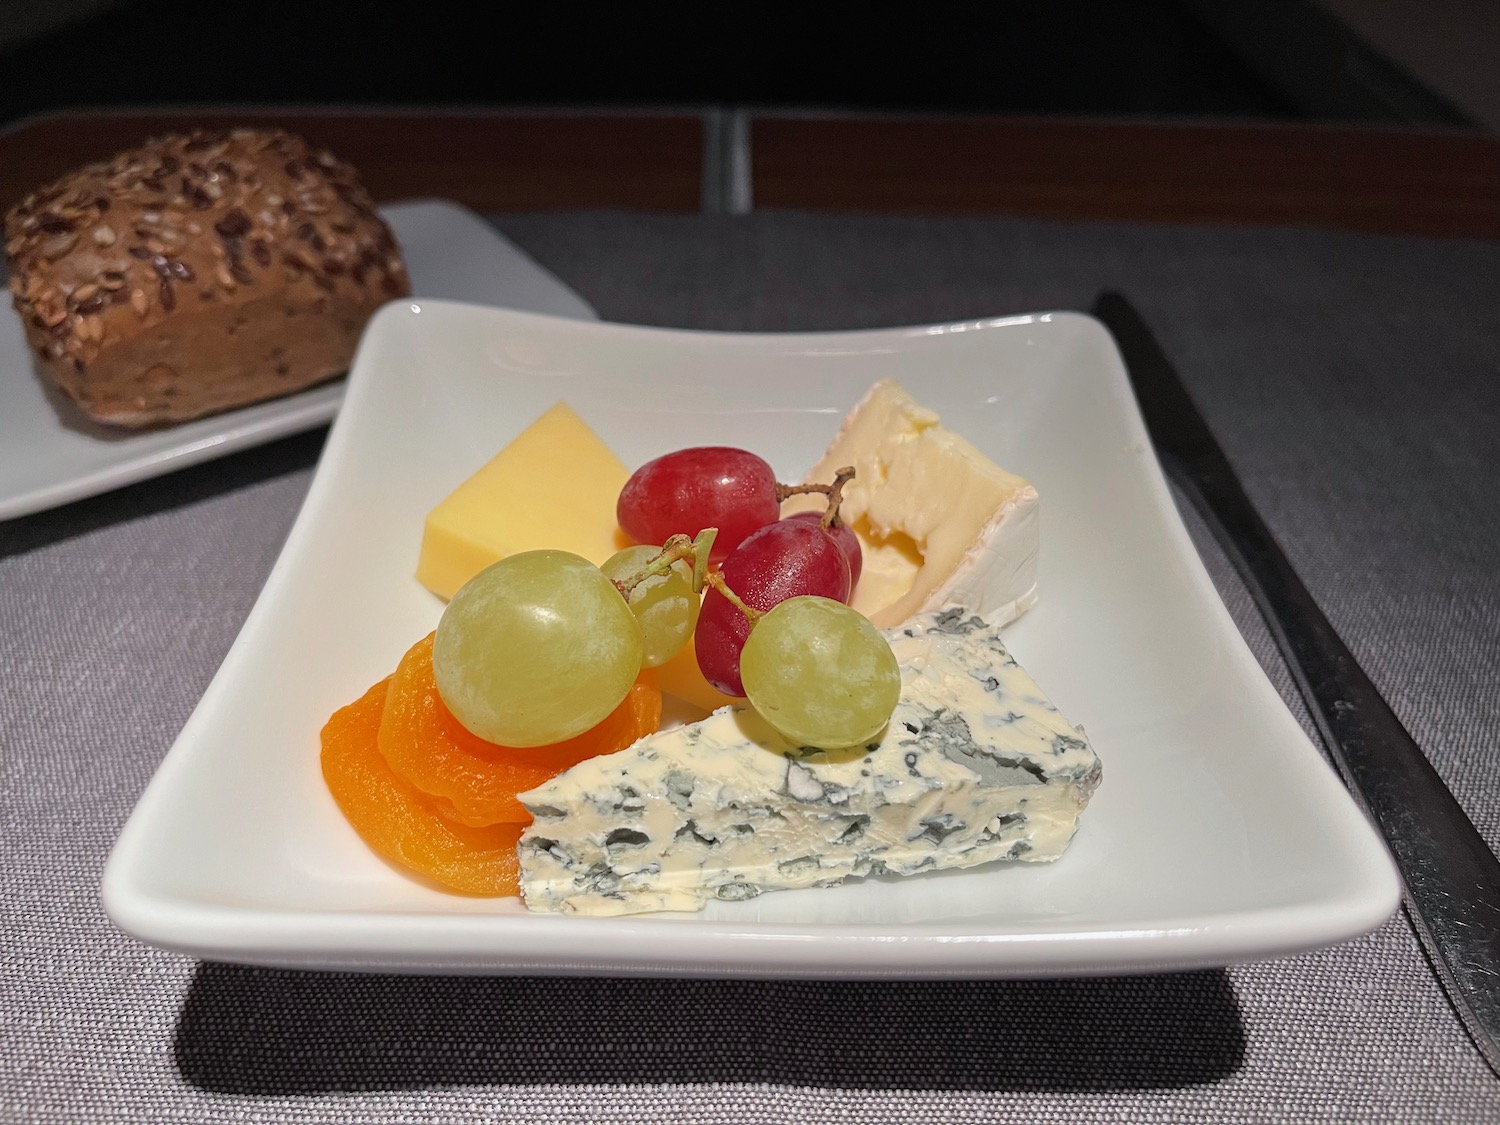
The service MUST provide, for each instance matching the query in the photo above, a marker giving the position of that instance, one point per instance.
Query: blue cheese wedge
(976, 765)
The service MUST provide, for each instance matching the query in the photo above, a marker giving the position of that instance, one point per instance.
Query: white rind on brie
(976, 765)
(939, 523)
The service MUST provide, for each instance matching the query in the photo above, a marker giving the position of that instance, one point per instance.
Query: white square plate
(51, 453)
(1218, 834)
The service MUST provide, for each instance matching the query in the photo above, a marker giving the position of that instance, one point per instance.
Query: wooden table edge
(1433, 181)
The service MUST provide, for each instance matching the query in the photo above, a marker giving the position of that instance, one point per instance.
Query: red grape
(844, 536)
(706, 486)
(777, 561)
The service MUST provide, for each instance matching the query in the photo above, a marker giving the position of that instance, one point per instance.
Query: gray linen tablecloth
(1355, 382)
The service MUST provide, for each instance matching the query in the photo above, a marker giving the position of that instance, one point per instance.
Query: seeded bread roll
(198, 273)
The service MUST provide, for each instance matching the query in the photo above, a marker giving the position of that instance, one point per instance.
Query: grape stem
(675, 549)
(834, 492)
(716, 580)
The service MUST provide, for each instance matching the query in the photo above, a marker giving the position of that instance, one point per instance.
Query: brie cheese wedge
(938, 522)
(976, 765)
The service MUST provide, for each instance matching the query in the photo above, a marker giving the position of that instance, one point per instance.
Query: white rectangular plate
(51, 453)
(1218, 834)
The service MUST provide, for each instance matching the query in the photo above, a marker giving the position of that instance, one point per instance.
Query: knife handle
(1451, 876)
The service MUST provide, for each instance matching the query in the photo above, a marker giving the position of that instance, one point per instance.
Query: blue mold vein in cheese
(976, 765)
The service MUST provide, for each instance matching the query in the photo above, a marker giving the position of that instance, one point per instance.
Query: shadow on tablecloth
(262, 1031)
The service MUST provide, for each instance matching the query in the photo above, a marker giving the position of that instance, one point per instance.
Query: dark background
(1156, 58)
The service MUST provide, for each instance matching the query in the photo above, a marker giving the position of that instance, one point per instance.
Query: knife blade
(1450, 875)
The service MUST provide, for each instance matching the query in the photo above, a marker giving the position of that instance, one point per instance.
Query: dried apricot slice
(398, 822)
(475, 781)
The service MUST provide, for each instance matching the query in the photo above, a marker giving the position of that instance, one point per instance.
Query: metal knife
(1451, 877)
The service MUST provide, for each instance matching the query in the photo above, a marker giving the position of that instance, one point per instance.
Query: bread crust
(198, 273)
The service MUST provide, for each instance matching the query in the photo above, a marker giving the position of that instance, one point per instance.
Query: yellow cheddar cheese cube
(554, 486)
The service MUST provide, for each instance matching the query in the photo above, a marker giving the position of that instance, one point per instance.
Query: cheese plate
(1217, 835)
(52, 454)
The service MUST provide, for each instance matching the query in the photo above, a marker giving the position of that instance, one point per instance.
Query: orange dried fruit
(398, 822)
(474, 781)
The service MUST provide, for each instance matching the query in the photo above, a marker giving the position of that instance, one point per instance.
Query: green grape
(663, 604)
(820, 673)
(535, 648)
